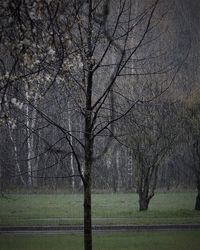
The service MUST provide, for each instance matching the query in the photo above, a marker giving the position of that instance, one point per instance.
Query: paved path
(96, 228)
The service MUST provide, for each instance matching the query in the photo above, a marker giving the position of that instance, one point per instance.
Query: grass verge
(66, 209)
(179, 240)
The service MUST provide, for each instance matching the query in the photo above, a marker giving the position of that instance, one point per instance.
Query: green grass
(46, 209)
(179, 240)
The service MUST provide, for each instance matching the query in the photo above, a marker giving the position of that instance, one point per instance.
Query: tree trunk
(31, 116)
(114, 170)
(129, 169)
(143, 201)
(87, 185)
(87, 208)
(88, 166)
(197, 204)
(16, 156)
(1, 182)
(71, 141)
(119, 179)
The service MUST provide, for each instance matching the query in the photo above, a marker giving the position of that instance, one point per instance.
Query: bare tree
(152, 137)
(69, 46)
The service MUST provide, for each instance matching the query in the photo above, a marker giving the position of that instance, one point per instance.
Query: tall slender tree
(68, 46)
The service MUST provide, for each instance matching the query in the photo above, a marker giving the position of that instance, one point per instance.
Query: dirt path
(96, 228)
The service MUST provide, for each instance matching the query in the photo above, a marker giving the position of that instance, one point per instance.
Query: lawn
(64, 209)
(118, 241)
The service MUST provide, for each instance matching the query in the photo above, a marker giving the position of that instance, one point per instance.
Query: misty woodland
(100, 95)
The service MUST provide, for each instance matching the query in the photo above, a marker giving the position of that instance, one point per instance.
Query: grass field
(119, 241)
(63, 209)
